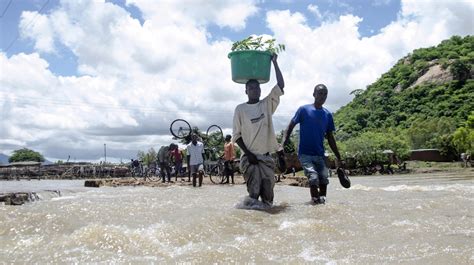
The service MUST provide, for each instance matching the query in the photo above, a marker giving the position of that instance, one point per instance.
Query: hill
(3, 159)
(419, 103)
(430, 83)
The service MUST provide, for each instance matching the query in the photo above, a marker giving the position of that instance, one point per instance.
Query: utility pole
(105, 153)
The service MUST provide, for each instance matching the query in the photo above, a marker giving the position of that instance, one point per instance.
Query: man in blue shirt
(316, 123)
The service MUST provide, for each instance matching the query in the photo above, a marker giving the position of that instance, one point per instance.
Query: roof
(23, 163)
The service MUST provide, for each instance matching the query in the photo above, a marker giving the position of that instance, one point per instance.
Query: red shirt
(176, 155)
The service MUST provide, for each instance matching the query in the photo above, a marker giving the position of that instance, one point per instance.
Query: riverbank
(298, 179)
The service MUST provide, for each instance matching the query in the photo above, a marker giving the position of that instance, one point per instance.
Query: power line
(30, 101)
(6, 8)
(27, 26)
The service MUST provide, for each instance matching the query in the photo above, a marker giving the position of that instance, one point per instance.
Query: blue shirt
(314, 124)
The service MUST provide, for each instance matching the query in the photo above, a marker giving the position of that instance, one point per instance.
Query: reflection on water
(413, 219)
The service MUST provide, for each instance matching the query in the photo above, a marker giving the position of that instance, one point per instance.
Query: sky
(77, 75)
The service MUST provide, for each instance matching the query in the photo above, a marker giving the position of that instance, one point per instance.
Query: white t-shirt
(195, 151)
(253, 122)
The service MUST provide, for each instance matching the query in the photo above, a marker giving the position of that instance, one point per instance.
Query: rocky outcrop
(435, 75)
(17, 198)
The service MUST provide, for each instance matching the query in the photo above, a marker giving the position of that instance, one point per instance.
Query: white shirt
(253, 123)
(195, 152)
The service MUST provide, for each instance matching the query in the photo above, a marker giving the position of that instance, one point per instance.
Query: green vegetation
(394, 113)
(258, 44)
(463, 137)
(25, 154)
(149, 157)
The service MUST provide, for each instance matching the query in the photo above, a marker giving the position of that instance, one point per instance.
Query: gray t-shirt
(254, 123)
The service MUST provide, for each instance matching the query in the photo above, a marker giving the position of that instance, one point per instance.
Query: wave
(452, 187)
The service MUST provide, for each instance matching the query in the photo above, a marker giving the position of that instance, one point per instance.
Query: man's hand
(340, 163)
(274, 57)
(252, 158)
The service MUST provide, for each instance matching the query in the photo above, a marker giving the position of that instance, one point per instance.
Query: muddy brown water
(409, 219)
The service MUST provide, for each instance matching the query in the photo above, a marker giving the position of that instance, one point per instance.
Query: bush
(25, 154)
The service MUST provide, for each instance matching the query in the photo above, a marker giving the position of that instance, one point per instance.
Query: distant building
(429, 155)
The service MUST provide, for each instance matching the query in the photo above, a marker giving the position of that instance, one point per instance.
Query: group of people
(253, 132)
(167, 156)
(170, 156)
(195, 160)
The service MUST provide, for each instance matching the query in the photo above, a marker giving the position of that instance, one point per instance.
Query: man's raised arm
(279, 76)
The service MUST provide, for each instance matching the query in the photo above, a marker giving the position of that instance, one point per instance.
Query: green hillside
(419, 103)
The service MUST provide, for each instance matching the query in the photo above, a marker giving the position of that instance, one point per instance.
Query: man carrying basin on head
(253, 132)
(316, 123)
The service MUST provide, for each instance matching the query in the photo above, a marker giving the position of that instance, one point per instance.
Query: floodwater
(409, 219)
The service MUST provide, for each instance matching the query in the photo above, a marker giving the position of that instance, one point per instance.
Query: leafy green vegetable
(258, 44)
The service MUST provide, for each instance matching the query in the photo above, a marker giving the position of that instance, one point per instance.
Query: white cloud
(232, 14)
(136, 78)
(315, 10)
(335, 54)
(37, 27)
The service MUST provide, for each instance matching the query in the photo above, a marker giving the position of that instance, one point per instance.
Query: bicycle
(181, 129)
(136, 171)
(217, 172)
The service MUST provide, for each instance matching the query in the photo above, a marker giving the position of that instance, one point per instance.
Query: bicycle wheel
(180, 128)
(214, 132)
(216, 176)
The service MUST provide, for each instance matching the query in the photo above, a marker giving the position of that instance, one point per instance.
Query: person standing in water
(316, 123)
(254, 133)
(229, 156)
(195, 159)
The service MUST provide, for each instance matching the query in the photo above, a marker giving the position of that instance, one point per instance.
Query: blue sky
(82, 73)
(375, 14)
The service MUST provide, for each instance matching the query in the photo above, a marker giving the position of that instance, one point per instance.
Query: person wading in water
(254, 134)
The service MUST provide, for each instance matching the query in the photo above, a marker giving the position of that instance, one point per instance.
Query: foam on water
(453, 188)
(404, 187)
(308, 255)
(252, 204)
(371, 223)
(301, 224)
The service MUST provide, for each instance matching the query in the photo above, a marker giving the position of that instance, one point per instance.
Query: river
(407, 219)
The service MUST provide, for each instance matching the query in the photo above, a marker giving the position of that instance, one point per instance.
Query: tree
(430, 133)
(25, 154)
(463, 137)
(368, 147)
(290, 147)
(148, 157)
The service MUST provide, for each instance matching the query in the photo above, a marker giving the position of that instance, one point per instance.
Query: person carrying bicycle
(195, 159)
(229, 156)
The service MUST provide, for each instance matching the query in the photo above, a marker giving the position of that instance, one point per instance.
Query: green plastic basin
(250, 64)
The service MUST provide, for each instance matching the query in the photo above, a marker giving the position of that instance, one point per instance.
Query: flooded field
(409, 219)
